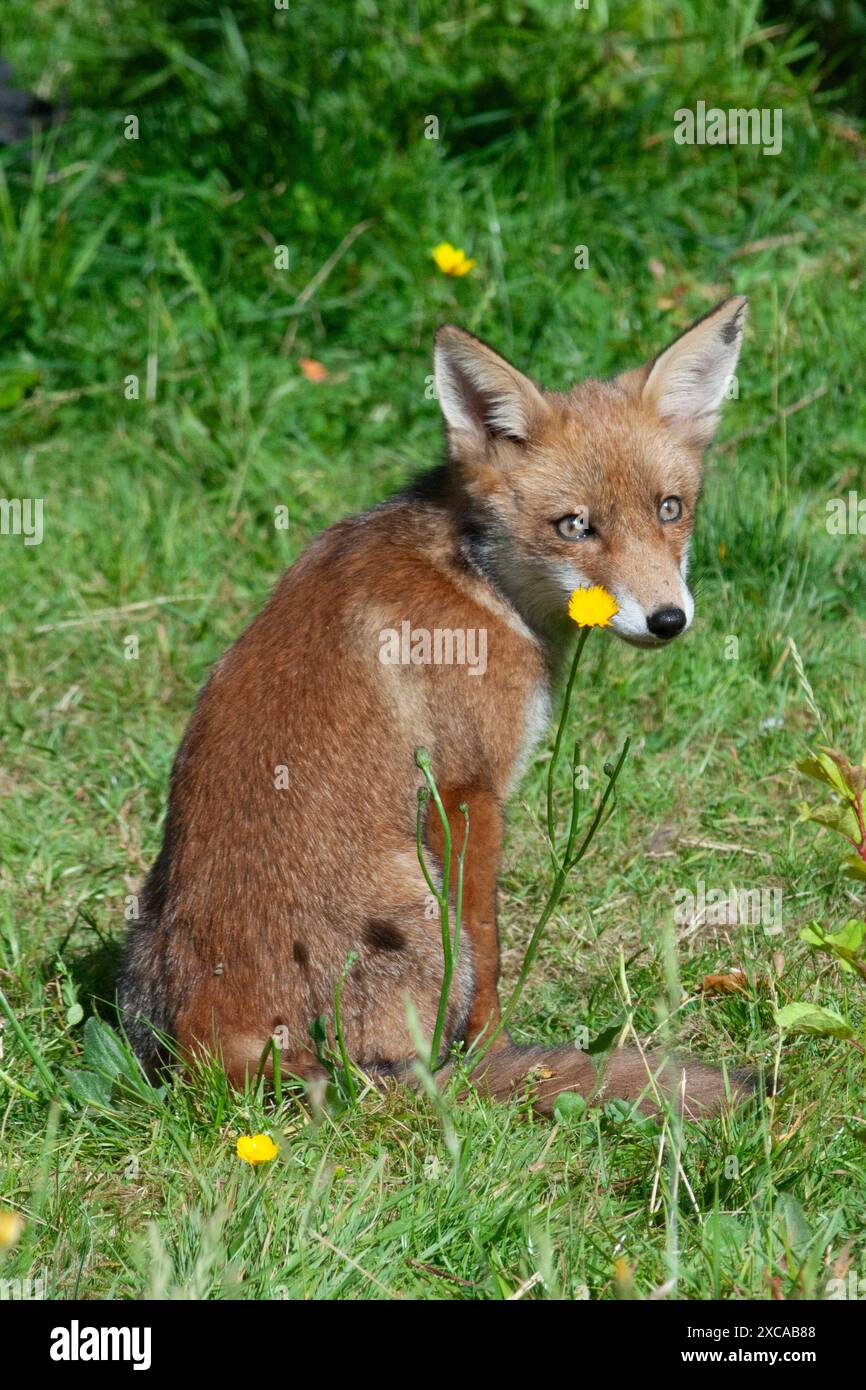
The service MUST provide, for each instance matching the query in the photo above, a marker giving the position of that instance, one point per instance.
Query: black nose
(667, 622)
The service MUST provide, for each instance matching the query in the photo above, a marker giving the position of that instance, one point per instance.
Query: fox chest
(533, 721)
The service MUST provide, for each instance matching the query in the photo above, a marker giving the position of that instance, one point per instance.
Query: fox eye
(574, 527)
(670, 509)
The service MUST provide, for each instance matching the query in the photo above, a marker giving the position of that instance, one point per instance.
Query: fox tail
(649, 1079)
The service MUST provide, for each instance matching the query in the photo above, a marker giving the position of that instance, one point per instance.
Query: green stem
(278, 1073)
(554, 896)
(422, 761)
(563, 866)
(557, 743)
(48, 1080)
(451, 953)
(423, 794)
(338, 1027)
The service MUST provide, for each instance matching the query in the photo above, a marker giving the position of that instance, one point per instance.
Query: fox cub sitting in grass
(290, 839)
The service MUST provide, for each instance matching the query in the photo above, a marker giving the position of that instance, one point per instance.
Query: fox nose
(666, 622)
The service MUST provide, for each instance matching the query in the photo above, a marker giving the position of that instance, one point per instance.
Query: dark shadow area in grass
(94, 972)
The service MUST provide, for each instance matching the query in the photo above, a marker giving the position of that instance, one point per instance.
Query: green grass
(292, 128)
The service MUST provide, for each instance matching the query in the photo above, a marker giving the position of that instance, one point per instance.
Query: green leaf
(796, 1230)
(102, 1049)
(823, 769)
(89, 1088)
(840, 818)
(810, 1018)
(318, 1032)
(14, 384)
(854, 867)
(722, 1229)
(850, 936)
(74, 1014)
(624, 1112)
(334, 1101)
(845, 944)
(568, 1107)
(813, 934)
(852, 774)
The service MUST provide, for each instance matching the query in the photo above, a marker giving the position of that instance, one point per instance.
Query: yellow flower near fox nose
(592, 607)
(452, 260)
(256, 1148)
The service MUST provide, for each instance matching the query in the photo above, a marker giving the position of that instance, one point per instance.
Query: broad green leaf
(810, 1018)
(796, 1227)
(723, 1229)
(845, 944)
(853, 775)
(90, 1088)
(318, 1032)
(625, 1112)
(821, 768)
(618, 1109)
(568, 1107)
(813, 934)
(850, 936)
(14, 384)
(840, 818)
(854, 867)
(102, 1049)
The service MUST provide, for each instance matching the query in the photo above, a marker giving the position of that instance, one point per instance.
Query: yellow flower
(11, 1226)
(592, 607)
(451, 260)
(256, 1148)
(623, 1277)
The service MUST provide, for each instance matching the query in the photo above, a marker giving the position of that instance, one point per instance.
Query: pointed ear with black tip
(482, 396)
(687, 383)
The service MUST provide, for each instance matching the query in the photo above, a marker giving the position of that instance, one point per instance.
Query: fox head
(597, 485)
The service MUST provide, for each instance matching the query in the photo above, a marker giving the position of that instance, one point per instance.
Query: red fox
(290, 839)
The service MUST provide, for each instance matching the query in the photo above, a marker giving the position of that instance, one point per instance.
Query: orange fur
(268, 879)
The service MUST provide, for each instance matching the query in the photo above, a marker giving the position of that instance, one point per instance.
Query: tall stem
(352, 1089)
(450, 947)
(553, 898)
(557, 743)
(564, 865)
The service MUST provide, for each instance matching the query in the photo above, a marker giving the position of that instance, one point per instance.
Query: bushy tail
(541, 1074)
(538, 1075)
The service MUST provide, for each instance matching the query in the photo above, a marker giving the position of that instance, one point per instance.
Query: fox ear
(481, 395)
(687, 383)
